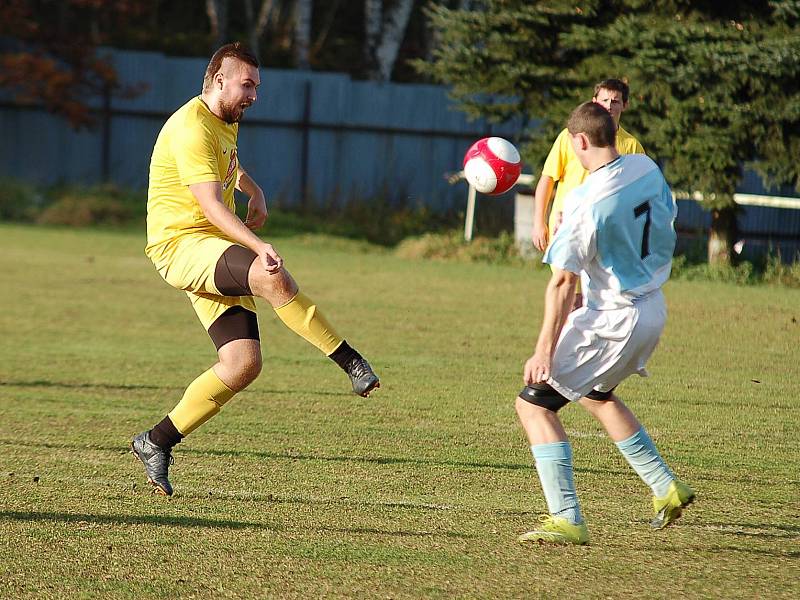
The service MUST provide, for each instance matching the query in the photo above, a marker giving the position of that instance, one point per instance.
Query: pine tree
(715, 86)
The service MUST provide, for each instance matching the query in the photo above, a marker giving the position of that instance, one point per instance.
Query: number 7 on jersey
(644, 209)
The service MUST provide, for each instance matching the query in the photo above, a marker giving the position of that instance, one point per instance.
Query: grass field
(300, 489)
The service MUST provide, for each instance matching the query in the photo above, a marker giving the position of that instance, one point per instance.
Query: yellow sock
(301, 316)
(202, 400)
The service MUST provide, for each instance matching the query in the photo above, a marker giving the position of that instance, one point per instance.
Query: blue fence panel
(39, 147)
(761, 229)
(339, 138)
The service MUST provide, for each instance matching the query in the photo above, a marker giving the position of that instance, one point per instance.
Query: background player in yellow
(199, 245)
(563, 170)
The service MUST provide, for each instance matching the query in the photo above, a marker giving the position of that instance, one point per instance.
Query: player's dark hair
(615, 85)
(235, 50)
(595, 122)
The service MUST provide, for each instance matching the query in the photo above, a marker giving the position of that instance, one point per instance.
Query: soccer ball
(492, 165)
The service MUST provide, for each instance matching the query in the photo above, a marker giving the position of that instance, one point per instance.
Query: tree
(289, 23)
(504, 61)
(217, 11)
(715, 86)
(302, 33)
(726, 96)
(48, 53)
(385, 30)
(258, 22)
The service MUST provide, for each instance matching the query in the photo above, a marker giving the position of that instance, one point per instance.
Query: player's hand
(256, 211)
(540, 236)
(537, 369)
(270, 259)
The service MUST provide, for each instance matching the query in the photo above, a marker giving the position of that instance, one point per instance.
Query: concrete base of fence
(523, 225)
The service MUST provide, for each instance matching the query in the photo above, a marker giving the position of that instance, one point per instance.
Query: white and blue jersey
(618, 228)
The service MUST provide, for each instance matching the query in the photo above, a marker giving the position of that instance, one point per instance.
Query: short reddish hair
(595, 122)
(235, 50)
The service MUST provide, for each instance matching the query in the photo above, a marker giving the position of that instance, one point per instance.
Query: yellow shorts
(553, 222)
(189, 263)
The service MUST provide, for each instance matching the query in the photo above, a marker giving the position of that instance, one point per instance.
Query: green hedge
(414, 231)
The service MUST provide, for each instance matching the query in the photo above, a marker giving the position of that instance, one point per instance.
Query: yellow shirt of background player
(194, 146)
(563, 166)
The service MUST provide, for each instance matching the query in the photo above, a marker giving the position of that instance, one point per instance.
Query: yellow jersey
(564, 167)
(194, 146)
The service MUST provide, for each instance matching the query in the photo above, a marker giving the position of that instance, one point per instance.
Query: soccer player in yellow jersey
(199, 245)
(563, 168)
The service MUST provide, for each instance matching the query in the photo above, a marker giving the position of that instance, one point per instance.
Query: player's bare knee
(235, 333)
(240, 370)
(250, 368)
(602, 409)
(276, 288)
(526, 410)
(595, 400)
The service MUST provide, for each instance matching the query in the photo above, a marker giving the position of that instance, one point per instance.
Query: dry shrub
(451, 246)
(77, 211)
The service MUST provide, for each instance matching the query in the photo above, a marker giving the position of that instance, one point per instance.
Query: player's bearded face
(232, 112)
(238, 91)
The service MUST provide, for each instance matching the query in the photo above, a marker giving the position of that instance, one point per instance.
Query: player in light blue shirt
(618, 233)
(618, 229)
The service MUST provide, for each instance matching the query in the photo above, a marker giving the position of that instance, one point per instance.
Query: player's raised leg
(670, 495)
(537, 408)
(300, 314)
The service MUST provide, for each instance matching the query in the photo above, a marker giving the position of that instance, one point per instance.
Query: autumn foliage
(49, 52)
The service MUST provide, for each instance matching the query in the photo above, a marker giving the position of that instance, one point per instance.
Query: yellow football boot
(557, 530)
(668, 508)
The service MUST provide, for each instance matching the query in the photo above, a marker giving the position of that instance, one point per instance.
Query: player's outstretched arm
(541, 200)
(558, 299)
(209, 196)
(257, 213)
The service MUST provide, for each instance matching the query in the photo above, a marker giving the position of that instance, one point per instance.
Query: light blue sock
(554, 465)
(641, 454)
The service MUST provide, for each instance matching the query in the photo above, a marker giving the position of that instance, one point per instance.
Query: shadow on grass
(755, 551)
(754, 530)
(374, 460)
(736, 402)
(161, 520)
(41, 383)
(133, 520)
(270, 498)
(715, 549)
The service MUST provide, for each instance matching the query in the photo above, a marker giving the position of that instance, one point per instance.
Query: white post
(470, 217)
(523, 223)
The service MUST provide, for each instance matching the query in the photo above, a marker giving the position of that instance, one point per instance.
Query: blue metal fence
(761, 229)
(320, 132)
(317, 133)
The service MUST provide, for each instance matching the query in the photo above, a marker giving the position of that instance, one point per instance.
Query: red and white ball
(492, 165)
